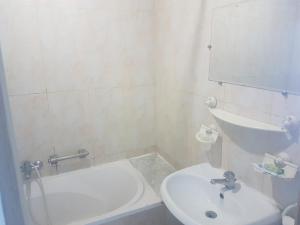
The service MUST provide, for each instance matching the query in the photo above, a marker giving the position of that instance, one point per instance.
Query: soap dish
(285, 169)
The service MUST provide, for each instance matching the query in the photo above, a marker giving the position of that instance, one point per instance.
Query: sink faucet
(229, 180)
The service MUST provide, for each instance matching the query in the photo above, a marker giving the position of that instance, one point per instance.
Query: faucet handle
(229, 175)
(38, 164)
(28, 167)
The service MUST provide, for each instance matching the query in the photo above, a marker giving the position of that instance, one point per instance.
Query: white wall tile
(32, 126)
(70, 117)
(21, 50)
(93, 63)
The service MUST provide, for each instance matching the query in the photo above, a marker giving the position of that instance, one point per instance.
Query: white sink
(192, 199)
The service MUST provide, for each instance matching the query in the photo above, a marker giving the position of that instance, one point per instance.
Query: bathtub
(92, 196)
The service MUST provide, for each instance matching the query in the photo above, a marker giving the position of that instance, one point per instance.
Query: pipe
(54, 159)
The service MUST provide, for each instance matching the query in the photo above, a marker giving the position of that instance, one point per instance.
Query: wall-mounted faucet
(28, 167)
(229, 180)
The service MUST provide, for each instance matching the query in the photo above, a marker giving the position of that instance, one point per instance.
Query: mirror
(257, 43)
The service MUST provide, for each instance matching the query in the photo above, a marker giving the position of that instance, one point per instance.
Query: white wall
(80, 75)
(183, 34)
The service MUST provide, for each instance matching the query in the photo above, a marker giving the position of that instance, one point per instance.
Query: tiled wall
(80, 75)
(183, 34)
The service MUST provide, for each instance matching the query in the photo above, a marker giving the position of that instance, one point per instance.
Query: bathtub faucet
(28, 167)
(54, 159)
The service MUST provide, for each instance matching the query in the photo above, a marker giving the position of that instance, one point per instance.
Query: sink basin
(193, 200)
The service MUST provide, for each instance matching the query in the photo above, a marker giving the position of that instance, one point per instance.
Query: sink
(193, 200)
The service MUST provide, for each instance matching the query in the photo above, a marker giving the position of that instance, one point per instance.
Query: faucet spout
(218, 181)
(229, 180)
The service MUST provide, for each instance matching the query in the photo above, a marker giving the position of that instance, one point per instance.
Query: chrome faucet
(28, 167)
(229, 180)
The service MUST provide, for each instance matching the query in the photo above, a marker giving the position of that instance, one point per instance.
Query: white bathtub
(93, 196)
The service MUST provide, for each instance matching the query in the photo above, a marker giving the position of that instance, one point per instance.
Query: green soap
(273, 168)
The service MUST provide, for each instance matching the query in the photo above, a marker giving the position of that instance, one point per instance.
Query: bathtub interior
(86, 193)
(65, 208)
(100, 194)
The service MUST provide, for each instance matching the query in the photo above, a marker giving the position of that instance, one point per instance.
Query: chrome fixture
(28, 167)
(229, 180)
(211, 102)
(54, 159)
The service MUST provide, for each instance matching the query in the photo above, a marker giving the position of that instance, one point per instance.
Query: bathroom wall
(85, 73)
(183, 35)
(80, 75)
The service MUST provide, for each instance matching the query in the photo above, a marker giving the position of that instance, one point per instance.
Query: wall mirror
(256, 43)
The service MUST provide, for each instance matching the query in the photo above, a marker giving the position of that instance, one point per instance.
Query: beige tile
(32, 126)
(22, 50)
(65, 66)
(70, 118)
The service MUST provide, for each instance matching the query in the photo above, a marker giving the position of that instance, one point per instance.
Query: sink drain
(211, 214)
